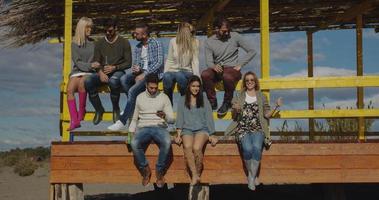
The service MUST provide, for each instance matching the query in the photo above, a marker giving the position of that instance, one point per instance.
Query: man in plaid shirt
(148, 59)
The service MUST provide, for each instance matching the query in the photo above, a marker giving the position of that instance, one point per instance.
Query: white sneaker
(116, 126)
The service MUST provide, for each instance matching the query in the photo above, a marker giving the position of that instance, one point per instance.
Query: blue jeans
(132, 90)
(143, 138)
(92, 83)
(251, 146)
(169, 80)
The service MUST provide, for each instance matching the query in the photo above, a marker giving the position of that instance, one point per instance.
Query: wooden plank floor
(112, 162)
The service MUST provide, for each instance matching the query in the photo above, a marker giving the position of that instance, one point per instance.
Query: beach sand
(36, 187)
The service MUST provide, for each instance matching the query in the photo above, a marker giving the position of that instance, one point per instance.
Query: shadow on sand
(271, 192)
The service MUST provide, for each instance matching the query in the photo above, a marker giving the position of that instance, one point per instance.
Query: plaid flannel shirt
(155, 57)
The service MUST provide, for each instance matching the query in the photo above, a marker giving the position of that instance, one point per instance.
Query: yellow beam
(332, 113)
(265, 43)
(66, 63)
(286, 114)
(320, 82)
(302, 83)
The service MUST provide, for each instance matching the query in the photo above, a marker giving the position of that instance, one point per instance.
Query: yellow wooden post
(311, 122)
(360, 94)
(66, 69)
(265, 41)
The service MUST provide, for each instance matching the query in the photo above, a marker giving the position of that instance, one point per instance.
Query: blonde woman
(251, 112)
(82, 53)
(182, 60)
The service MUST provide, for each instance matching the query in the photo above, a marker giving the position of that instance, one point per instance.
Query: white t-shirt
(250, 99)
(144, 58)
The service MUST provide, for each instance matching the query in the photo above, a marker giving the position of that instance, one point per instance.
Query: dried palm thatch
(29, 21)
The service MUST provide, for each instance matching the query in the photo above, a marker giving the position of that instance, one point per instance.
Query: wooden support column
(66, 70)
(360, 91)
(265, 41)
(311, 122)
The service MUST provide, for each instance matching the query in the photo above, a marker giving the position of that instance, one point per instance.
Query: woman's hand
(279, 102)
(178, 140)
(237, 107)
(213, 140)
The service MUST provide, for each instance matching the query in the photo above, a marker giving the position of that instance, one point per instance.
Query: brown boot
(146, 175)
(160, 180)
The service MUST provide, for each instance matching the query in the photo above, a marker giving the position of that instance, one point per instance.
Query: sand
(35, 187)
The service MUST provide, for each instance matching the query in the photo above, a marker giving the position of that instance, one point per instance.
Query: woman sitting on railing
(182, 60)
(82, 54)
(194, 124)
(250, 113)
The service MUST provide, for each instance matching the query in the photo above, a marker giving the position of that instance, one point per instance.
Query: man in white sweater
(152, 113)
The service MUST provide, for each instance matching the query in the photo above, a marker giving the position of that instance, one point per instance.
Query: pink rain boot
(74, 122)
(82, 105)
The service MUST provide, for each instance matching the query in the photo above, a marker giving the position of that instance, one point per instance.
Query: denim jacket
(263, 108)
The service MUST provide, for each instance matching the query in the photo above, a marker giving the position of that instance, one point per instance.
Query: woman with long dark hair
(250, 113)
(195, 125)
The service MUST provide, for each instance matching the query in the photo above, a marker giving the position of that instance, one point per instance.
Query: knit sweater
(190, 63)
(146, 108)
(82, 57)
(118, 53)
(226, 52)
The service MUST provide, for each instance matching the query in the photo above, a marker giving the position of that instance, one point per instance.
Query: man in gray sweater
(152, 112)
(113, 55)
(221, 54)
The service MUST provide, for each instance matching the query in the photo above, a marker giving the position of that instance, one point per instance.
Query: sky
(31, 75)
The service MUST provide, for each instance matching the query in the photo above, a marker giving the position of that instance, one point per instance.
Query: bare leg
(189, 157)
(72, 87)
(200, 140)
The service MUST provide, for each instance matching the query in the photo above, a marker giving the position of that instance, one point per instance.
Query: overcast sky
(30, 78)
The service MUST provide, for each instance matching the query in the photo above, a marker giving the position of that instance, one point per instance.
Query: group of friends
(148, 111)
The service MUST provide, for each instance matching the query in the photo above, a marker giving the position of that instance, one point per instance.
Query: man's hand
(109, 69)
(237, 68)
(139, 77)
(161, 114)
(136, 69)
(103, 77)
(95, 65)
(217, 68)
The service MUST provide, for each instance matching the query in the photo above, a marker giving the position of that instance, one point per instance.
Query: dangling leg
(201, 138)
(72, 87)
(189, 157)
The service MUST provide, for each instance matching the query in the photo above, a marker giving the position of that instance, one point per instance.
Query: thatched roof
(30, 21)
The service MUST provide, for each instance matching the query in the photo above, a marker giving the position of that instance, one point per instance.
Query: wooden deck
(112, 162)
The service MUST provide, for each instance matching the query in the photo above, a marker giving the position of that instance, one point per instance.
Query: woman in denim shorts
(194, 124)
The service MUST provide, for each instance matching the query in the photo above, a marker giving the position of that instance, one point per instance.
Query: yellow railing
(267, 83)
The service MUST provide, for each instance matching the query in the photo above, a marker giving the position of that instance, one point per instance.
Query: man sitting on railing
(148, 58)
(152, 113)
(113, 54)
(221, 54)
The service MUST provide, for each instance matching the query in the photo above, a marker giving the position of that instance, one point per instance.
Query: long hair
(80, 31)
(186, 41)
(199, 96)
(257, 87)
